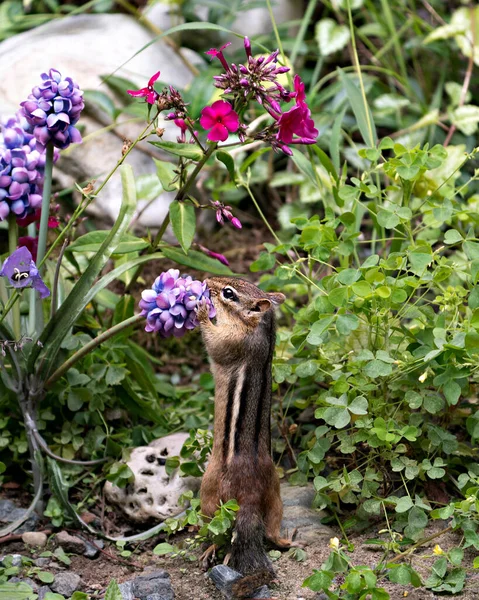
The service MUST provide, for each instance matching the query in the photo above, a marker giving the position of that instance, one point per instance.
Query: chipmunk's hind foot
(207, 559)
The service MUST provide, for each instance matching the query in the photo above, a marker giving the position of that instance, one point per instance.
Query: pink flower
(214, 53)
(297, 120)
(147, 92)
(31, 244)
(215, 255)
(221, 119)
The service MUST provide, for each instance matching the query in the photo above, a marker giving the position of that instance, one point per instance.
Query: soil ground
(191, 582)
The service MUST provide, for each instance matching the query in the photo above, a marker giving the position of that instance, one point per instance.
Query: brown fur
(243, 338)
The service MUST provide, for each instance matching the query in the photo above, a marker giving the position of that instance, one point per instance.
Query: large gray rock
(153, 495)
(93, 45)
(66, 583)
(157, 584)
(299, 517)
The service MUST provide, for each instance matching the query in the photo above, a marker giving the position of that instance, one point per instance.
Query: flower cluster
(22, 272)
(52, 110)
(258, 79)
(21, 171)
(169, 307)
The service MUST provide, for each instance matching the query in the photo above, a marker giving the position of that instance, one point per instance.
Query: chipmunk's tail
(247, 550)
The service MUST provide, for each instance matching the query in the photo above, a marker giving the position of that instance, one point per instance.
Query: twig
(419, 543)
(44, 446)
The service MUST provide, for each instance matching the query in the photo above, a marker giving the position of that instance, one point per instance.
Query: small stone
(9, 513)
(43, 561)
(157, 582)
(223, 577)
(66, 583)
(126, 590)
(35, 538)
(70, 543)
(92, 551)
(26, 580)
(16, 560)
(43, 591)
(262, 592)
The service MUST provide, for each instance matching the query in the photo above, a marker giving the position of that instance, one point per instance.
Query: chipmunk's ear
(261, 305)
(276, 297)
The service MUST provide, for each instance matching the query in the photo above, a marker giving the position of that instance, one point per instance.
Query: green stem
(12, 246)
(32, 312)
(47, 192)
(302, 30)
(106, 335)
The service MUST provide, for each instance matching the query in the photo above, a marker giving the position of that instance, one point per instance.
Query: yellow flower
(438, 550)
(422, 378)
(334, 543)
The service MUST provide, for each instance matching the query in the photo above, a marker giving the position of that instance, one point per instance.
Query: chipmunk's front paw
(202, 313)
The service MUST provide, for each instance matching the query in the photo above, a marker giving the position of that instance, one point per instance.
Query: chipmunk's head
(239, 300)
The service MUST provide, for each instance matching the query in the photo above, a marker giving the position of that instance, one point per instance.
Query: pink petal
(151, 97)
(153, 78)
(221, 108)
(231, 121)
(138, 93)
(208, 118)
(219, 133)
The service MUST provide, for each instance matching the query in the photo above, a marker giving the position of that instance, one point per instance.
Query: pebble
(43, 591)
(16, 560)
(35, 538)
(43, 561)
(126, 590)
(223, 577)
(66, 583)
(157, 583)
(9, 513)
(92, 551)
(70, 543)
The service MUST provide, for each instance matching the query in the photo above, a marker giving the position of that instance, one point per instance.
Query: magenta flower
(169, 307)
(297, 120)
(214, 53)
(22, 272)
(148, 92)
(221, 119)
(224, 212)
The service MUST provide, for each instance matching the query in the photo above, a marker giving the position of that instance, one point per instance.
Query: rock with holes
(153, 495)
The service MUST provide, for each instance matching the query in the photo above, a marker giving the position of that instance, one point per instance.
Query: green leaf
(113, 591)
(456, 556)
(387, 219)
(348, 276)
(345, 324)
(452, 236)
(16, 591)
(336, 416)
(196, 260)
(59, 326)
(228, 162)
(166, 174)
(162, 549)
(361, 110)
(183, 222)
(92, 242)
(417, 518)
(305, 166)
(320, 580)
(77, 397)
(338, 296)
(466, 118)
(330, 36)
(434, 404)
(46, 577)
(359, 406)
(378, 368)
(264, 262)
(190, 151)
(361, 289)
(452, 392)
(101, 100)
(404, 504)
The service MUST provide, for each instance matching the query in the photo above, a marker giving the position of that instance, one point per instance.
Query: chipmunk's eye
(229, 294)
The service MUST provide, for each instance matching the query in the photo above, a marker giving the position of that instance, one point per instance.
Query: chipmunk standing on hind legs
(240, 346)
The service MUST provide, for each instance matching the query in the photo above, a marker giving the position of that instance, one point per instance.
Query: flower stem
(47, 192)
(91, 345)
(12, 246)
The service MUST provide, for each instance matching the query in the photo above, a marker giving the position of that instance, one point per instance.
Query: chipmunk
(240, 347)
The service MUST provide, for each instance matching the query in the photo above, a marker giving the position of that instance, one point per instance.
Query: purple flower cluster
(22, 272)
(52, 110)
(170, 306)
(21, 171)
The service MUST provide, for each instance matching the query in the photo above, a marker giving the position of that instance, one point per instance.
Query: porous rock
(70, 543)
(35, 538)
(66, 583)
(153, 494)
(300, 517)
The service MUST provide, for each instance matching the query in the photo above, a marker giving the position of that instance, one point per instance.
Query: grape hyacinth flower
(169, 307)
(22, 272)
(148, 92)
(52, 110)
(221, 119)
(22, 169)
